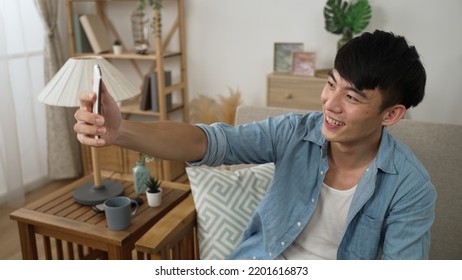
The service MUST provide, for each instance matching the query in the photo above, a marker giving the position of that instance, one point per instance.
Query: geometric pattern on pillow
(225, 201)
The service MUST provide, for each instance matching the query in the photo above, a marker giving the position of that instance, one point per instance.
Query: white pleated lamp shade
(76, 76)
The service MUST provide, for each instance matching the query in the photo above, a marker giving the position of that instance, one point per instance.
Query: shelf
(117, 159)
(102, 0)
(131, 55)
(132, 107)
(319, 73)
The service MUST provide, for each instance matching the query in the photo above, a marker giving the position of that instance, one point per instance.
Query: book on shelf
(145, 103)
(150, 92)
(155, 92)
(81, 43)
(97, 33)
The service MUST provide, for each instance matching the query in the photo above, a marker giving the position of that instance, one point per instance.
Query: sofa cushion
(225, 201)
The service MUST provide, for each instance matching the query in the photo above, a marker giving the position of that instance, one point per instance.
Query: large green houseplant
(346, 18)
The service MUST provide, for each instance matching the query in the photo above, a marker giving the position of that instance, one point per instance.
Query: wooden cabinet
(121, 160)
(296, 91)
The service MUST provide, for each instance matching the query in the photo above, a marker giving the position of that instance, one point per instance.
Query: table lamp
(64, 90)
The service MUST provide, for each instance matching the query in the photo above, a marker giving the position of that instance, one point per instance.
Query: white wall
(230, 43)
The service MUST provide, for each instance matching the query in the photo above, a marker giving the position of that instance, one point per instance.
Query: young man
(343, 187)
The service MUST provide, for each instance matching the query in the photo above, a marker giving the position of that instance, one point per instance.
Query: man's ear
(393, 114)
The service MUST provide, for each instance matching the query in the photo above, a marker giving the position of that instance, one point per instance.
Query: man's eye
(331, 85)
(351, 98)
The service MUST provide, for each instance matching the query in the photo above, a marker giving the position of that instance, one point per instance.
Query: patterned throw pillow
(225, 201)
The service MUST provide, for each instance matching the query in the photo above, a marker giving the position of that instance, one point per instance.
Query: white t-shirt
(321, 237)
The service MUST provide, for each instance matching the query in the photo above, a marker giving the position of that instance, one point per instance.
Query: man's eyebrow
(360, 92)
(352, 88)
(331, 74)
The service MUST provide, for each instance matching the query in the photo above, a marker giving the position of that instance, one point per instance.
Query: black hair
(384, 61)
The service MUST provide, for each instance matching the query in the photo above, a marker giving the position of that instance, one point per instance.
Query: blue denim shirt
(391, 212)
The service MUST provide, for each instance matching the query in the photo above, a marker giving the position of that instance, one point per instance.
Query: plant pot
(347, 35)
(117, 49)
(154, 199)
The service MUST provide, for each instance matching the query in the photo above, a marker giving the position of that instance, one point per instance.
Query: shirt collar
(385, 156)
(314, 133)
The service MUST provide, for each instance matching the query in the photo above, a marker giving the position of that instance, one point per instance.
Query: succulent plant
(153, 184)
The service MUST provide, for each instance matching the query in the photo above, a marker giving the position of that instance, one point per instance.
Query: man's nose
(332, 101)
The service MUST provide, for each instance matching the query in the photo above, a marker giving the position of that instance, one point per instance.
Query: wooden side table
(81, 233)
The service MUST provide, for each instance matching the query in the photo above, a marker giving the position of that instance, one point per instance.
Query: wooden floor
(9, 241)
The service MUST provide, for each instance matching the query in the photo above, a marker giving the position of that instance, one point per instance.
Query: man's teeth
(334, 122)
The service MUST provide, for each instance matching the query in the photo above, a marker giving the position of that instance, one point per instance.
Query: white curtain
(63, 148)
(23, 143)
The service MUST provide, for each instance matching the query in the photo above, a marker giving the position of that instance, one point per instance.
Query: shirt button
(367, 169)
(322, 172)
(312, 200)
(283, 243)
(270, 254)
(254, 257)
(299, 224)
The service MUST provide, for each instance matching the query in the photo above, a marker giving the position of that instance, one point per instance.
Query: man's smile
(334, 122)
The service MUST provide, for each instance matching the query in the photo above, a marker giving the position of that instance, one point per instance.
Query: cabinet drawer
(292, 91)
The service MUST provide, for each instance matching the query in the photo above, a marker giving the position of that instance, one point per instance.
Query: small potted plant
(154, 192)
(117, 46)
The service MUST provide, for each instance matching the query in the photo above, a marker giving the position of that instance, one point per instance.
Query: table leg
(28, 242)
(119, 253)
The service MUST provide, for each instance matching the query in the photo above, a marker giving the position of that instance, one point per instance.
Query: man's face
(351, 117)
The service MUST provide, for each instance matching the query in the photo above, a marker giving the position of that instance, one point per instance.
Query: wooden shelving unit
(115, 158)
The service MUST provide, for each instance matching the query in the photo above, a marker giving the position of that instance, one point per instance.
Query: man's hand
(90, 125)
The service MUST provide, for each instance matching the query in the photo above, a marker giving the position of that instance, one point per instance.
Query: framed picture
(303, 63)
(283, 56)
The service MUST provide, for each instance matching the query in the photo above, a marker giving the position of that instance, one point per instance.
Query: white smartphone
(97, 88)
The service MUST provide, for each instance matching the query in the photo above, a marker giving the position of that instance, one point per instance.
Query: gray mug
(118, 212)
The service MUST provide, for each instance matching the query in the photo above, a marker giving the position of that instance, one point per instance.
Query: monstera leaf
(339, 14)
